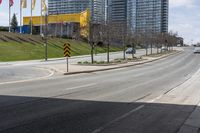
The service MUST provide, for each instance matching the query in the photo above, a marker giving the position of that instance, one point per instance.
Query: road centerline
(81, 86)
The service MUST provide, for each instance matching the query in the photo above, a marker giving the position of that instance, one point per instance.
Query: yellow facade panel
(53, 19)
(36, 20)
(82, 18)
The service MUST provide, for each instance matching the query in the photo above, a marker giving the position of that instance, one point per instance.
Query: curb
(106, 69)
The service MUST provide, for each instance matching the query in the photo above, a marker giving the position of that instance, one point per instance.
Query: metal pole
(31, 17)
(67, 64)
(20, 16)
(46, 49)
(9, 15)
(41, 23)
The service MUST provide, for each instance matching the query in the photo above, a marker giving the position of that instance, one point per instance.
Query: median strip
(78, 69)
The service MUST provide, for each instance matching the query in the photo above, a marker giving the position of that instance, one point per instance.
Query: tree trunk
(146, 49)
(108, 53)
(92, 53)
(133, 47)
(124, 51)
(157, 50)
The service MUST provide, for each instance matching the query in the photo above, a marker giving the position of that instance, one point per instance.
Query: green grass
(15, 51)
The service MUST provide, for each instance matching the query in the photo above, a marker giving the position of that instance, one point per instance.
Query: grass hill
(14, 47)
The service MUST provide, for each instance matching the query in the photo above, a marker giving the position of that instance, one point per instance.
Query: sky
(184, 17)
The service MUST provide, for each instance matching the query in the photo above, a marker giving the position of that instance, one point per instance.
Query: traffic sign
(67, 53)
(67, 50)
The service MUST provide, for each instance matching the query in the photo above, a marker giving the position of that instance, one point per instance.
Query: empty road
(28, 70)
(148, 98)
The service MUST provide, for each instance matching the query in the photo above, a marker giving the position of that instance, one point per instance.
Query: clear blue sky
(184, 16)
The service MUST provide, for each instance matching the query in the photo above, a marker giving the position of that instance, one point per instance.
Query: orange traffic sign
(67, 50)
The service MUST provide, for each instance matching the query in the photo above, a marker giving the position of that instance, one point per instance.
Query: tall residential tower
(67, 6)
(151, 16)
(140, 15)
(98, 10)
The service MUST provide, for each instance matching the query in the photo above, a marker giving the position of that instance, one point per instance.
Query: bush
(85, 62)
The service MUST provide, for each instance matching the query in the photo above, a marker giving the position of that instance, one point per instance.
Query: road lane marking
(157, 98)
(187, 82)
(81, 86)
(117, 119)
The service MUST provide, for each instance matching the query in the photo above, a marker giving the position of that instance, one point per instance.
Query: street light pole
(107, 30)
(46, 31)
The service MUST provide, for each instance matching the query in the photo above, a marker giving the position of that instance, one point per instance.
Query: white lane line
(157, 98)
(185, 84)
(81, 86)
(28, 80)
(117, 119)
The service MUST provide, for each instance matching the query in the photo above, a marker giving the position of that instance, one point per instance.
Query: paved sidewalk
(192, 124)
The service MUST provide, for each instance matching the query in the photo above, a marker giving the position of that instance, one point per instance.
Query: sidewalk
(50, 59)
(192, 123)
(73, 59)
(76, 69)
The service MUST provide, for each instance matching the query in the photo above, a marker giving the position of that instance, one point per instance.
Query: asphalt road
(28, 70)
(117, 101)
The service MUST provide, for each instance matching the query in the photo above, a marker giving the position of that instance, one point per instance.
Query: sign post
(67, 53)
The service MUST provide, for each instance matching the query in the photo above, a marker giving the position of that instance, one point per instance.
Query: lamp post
(107, 24)
(44, 37)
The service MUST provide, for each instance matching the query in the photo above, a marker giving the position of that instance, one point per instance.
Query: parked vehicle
(164, 49)
(197, 50)
(130, 51)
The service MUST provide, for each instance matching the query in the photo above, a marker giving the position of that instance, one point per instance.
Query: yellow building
(82, 19)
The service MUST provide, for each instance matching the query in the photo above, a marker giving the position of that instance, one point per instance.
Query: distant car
(197, 50)
(130, 51)
(164, 49)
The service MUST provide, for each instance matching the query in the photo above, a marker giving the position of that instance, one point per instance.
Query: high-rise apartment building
(109, 10)
(151, 16)
(67, 6)
(140, 15)
(117, 10)
(98, 10)
(131, 14)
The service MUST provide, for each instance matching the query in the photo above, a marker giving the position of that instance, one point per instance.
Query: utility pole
(46, 32)
(9, 15)
(31, 17)
(90, 36)
(41, 21)
(20, 16)
(107, 24)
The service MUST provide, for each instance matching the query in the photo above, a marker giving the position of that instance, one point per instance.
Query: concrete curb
(136, 64)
